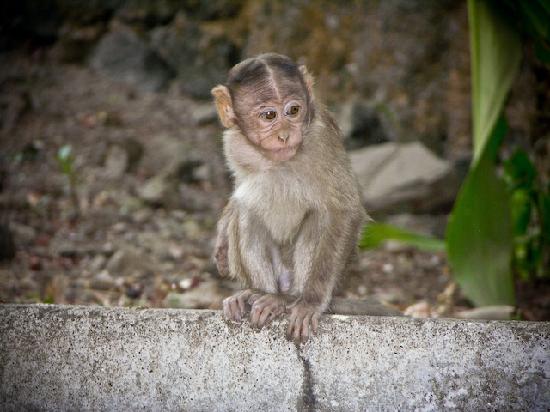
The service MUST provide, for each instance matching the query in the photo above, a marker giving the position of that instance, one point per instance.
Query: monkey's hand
(236, 306)
(303, 321)
(265, 308)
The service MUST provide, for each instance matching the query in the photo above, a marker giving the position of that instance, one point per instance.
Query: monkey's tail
(367, 306)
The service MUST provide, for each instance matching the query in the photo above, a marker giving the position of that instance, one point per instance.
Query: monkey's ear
(308, 79)
(222, 98)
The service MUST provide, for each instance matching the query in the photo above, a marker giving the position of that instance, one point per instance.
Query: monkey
(293, 220)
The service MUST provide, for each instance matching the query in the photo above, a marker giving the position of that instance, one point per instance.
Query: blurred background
(111, 169)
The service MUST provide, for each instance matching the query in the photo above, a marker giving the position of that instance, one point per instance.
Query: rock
(160, 190)
(142, 215)
(167, 155)
(203, 296)
(420, 309)
(191, 229)
(7, 243)
(361, 125)
(196, 199)
(23, 233)
(97, 263)
(122, 157)
(200, 59)
(148, 13)
(204, 113)
(404, 177)
(181, 168)
(124, 57)
(130, 205)
(134, 290)
(116, 162)
(76, 42)
(127, 261)
(212, 9)
(488, 313)
(103, 281)
(85, 11)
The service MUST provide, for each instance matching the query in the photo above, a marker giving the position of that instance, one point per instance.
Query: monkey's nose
(283, 136)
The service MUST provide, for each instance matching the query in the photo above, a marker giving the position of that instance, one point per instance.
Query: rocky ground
(132, 221)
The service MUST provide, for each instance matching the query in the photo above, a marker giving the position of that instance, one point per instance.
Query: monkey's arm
(323, 248)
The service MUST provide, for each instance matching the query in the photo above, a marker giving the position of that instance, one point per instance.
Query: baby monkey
(293, 220)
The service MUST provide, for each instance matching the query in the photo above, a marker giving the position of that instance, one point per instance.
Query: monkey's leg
(221, 250)
(249, 255)
(324, 244)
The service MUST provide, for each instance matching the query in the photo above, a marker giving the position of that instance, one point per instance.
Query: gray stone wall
(92, 358)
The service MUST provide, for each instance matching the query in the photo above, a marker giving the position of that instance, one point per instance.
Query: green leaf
(479, 238)
(375, 234)
(520, 172)
(521, 205)
(64, 153)
(495, 56)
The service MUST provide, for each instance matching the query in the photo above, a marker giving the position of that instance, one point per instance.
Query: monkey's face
(274, 124)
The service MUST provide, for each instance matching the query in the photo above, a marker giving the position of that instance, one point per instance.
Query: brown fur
(291, 225)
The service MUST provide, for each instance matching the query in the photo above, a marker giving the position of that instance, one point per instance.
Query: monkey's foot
(235, 306)
(303, 322)
(265, 308)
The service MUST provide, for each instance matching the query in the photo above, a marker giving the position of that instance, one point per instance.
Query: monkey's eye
(293, 110)
(269, 114)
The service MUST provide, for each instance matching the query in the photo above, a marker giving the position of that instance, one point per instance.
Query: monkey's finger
(315, 322)
(297, 329)
(305, 328)
(291, 321)
(265, 316)
(253, 317)
(241, 302)
(234, 308)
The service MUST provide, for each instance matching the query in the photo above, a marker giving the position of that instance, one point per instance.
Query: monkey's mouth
(284, 153)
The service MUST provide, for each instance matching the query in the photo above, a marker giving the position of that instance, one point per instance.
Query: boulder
(404, 177)
(124, 57)
(361, 124)
(160, 190)
(127, 261)
(201, 59)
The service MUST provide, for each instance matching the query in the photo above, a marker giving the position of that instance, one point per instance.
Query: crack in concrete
(308, 400)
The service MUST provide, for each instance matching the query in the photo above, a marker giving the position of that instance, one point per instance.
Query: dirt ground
(117, 246)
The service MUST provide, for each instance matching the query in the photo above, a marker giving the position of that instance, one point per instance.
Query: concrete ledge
(91, 358)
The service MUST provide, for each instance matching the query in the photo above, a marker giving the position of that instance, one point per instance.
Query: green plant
(65, 159)
(374, 234)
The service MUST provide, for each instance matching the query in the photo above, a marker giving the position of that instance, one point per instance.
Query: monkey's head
(269, 99)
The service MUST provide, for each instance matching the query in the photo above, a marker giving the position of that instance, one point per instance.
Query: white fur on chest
(279, 200)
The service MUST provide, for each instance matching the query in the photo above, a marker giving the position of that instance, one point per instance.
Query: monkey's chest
(280, 209)
(283, 220)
